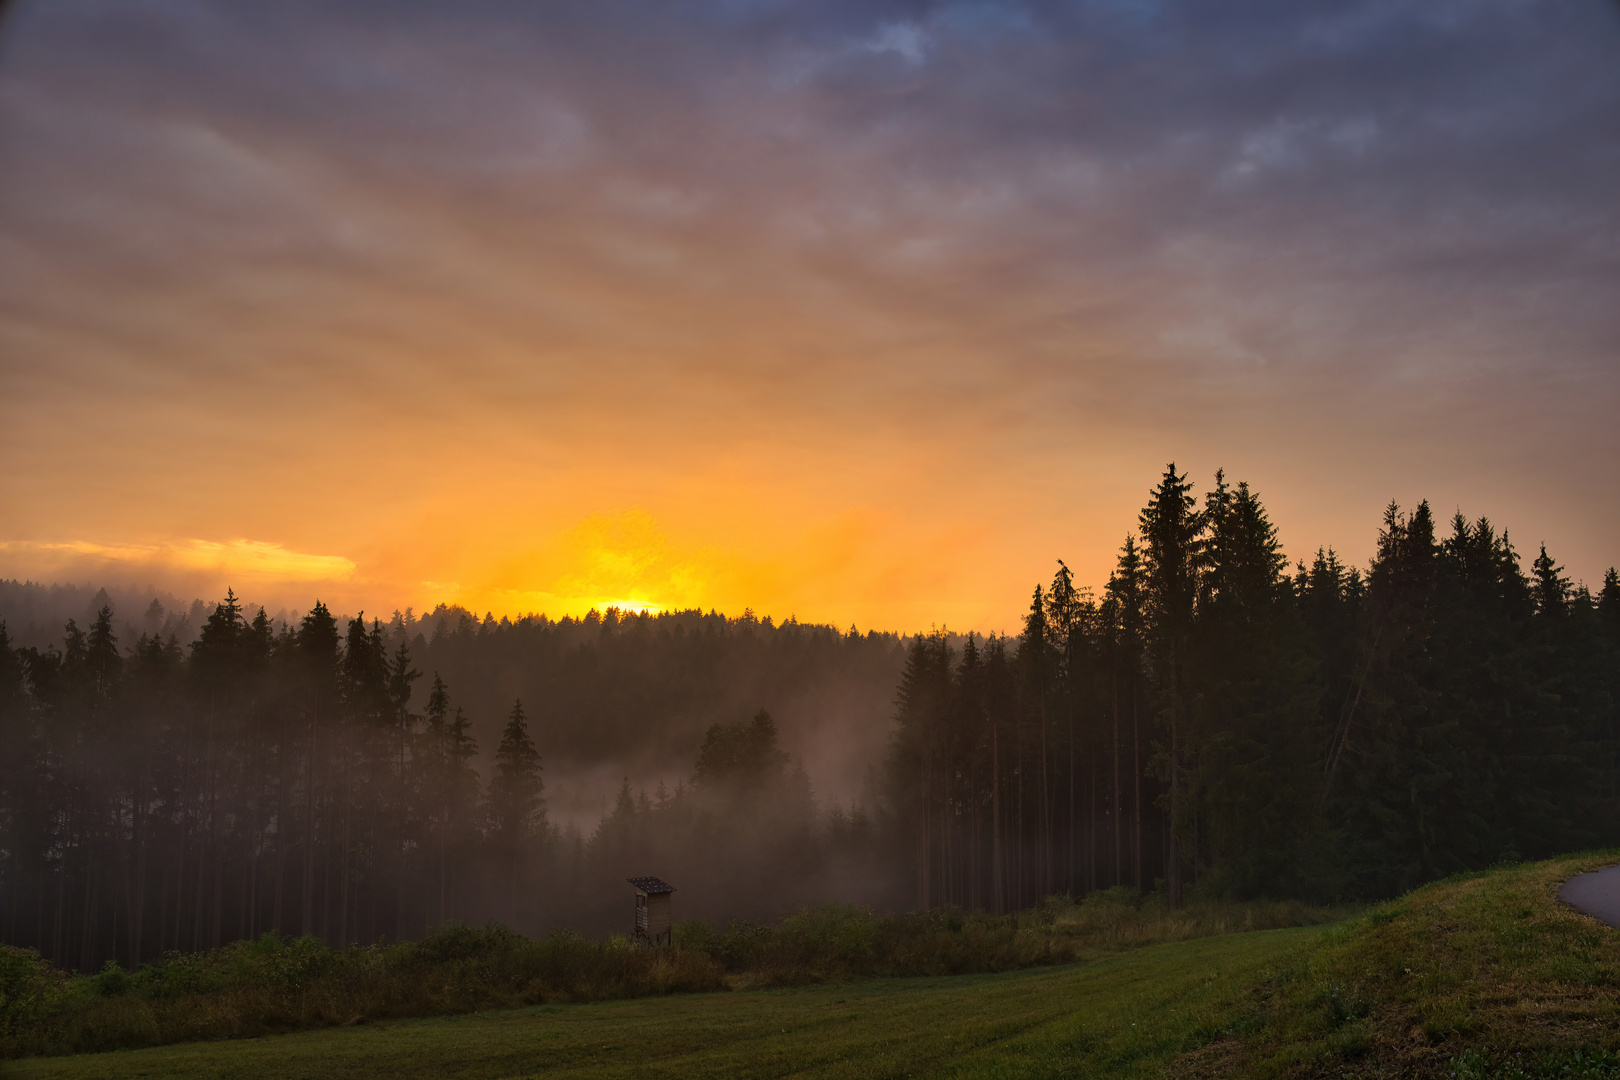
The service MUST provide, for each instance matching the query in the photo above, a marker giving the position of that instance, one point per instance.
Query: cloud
(410, 281)
(240, 561)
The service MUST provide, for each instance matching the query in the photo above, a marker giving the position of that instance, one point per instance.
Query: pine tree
(400, 678)
(1394, 735)
(1066, 609)
(19, 765)
(1127, 623)
(101, 653)
(1172, 530)
(922, 701)
(1609, 600)
(1551, 588)
(516, 806)
(1000, 706)
(1035, 662)
(317, 657)
(1250, 676)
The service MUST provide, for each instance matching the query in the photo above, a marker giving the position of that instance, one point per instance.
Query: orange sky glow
(801, 329)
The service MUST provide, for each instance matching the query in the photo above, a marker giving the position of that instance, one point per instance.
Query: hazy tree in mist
(450, 785)
(1327, 732)
(157, 798)
(317, 664)
(920, 704)
(517, 811)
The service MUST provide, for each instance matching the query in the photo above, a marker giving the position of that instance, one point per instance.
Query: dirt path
(1596, 893)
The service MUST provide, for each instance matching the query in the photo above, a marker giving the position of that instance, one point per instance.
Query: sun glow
(622, 561)
(241, 560)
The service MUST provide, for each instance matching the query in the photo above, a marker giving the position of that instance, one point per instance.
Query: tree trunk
(1136, 782)
(306, 920)
(998, 874)
(1119, 851)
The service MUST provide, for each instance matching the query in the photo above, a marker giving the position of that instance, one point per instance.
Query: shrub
(279, 984)
(30, 991)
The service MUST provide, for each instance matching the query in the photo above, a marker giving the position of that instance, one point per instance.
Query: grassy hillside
(1483, 974)
(1478, 976)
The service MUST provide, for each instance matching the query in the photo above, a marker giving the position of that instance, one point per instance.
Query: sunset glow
(859, 318)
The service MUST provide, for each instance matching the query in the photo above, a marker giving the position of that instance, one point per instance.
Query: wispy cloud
(235, 561)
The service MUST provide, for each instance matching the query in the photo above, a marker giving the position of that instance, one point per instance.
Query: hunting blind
(652, 909)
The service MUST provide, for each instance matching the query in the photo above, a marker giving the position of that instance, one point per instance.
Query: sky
(862, 313)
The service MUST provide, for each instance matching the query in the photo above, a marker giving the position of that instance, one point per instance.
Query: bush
(279, 984)
(30, 991)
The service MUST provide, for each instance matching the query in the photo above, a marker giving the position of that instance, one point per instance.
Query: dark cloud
(1369, 231)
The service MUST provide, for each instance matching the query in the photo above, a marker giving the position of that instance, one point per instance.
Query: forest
(1216, 719)
(1212, 720)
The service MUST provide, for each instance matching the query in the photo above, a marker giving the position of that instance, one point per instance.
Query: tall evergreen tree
(516, 806)
(1254, 704)
(1551, 587)
(921, 703)
(1127, 621)
(1172, 548)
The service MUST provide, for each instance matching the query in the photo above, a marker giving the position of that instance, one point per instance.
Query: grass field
(1126, 1016)
(1480, 976)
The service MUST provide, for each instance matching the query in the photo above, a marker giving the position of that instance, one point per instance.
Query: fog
(238, 771)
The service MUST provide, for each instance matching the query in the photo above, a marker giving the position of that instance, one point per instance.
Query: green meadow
(1478, 976)
(1127, 1015)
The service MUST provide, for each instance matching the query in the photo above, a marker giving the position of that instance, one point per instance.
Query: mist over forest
(614, 695)
(1213, 719)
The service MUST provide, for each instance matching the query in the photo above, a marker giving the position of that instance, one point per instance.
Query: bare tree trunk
(1119, 853)
(343, 875)
(1046, 809)
(86, 930)
(924, 871)
(1073, 821)
(1091, 830)
(399, 839)
(1136, 781)
(998, 872)
(1021, 848)
(975, 853)
(57, 928)
(276, 910)
(444, 843)
(137, 904)
(204, 789)
(306, 920)
(180, 849)
(1173, 847)
(219, 859)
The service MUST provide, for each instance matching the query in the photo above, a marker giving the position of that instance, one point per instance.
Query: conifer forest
(1212, 719)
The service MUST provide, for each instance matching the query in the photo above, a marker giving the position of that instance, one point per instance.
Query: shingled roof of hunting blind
(651, 885)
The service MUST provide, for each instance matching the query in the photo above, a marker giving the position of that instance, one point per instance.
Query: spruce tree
(516, 807)
(1035, 661)
(1551, 587)
(316, 645)
(1609, 599)
(1248, 673)
(921, 703)
(1127, 627)
(1172, 549)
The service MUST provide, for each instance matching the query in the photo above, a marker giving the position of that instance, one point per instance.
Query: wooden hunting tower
(652, 909)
